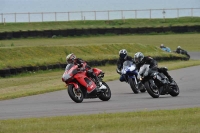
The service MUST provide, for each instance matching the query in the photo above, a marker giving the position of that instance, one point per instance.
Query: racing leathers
(89, 72)
(153, 66)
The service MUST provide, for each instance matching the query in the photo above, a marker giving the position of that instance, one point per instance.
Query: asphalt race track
(122, 100)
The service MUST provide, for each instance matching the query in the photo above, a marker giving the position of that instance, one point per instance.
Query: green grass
(43, 55)
(190, 42)
(48, 81)
(100, 24)
(32, 52)
(160, 121)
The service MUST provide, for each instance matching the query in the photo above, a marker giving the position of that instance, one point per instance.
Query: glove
(138, 76)
(118, 71)
(80, 65)
(81, 69)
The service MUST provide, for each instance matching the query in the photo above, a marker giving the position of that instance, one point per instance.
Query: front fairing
(70, 71)
(129, 68)
(71, 74)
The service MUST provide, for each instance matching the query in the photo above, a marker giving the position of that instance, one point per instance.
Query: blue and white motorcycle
(129, 73)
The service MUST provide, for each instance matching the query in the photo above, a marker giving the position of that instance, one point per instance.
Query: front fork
(76, 86)
(153, 85)
(136, 82)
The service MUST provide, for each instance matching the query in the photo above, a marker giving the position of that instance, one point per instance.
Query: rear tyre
(75, 94)
(133, 85)
(106, 95)
(175, 90)
(152, 91)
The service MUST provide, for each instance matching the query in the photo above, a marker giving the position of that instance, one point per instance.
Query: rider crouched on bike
(71, 58)
(140, 60)
(179, 50)
(123, 56)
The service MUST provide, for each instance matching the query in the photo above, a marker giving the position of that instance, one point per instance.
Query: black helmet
(138, 57)
(123, 53)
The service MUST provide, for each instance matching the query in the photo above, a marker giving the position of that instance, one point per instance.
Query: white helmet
(138, 57)
(179, 47)
(123, 53)
(70, 58)
(161, 45)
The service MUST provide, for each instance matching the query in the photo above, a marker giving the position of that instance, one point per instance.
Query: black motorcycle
(157, 83)
(183, 52)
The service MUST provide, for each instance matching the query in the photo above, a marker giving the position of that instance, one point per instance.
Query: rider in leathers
(71, 58)
(140, 60)
(123, 56)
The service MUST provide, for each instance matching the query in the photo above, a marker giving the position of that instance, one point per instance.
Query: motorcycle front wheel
(175, 90)
(152, 91)
(142, 88)
(75, 94)
(106, 95)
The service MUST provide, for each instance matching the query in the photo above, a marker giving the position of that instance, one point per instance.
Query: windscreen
(69, 66)
(127, 63)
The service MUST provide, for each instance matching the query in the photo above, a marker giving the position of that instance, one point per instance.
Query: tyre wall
(97, 31)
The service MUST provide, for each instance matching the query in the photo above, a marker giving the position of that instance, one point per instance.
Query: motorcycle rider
(123, 56)
(140, 60)
(71, 58)
(162, 46)
(178, 50)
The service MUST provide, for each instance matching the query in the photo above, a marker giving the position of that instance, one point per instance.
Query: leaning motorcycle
(129, 73)
(157, 83)
(184, 52)
(80, 86)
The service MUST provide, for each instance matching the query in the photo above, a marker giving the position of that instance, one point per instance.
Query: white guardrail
(99, 15)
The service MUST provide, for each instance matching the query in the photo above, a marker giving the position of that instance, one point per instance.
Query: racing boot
(171, 80)
(167, 75)
(100, 86)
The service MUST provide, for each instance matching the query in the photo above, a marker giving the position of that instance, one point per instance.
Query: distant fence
(99, 15)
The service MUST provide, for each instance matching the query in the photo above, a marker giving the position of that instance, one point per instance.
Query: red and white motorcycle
(80, 86)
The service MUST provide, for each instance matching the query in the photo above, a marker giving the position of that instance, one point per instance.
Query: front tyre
(105, 95)
(142, 88)
(175, 90)
(133, 85)
(75, 94)
(154, 92)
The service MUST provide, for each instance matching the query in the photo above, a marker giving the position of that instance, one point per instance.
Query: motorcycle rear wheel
(133, 85)
(105, 96)
(151, 91)
(75, 94)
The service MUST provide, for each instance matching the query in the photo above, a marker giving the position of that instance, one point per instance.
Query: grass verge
(39, 26)
(165, 121)
(44, 55)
